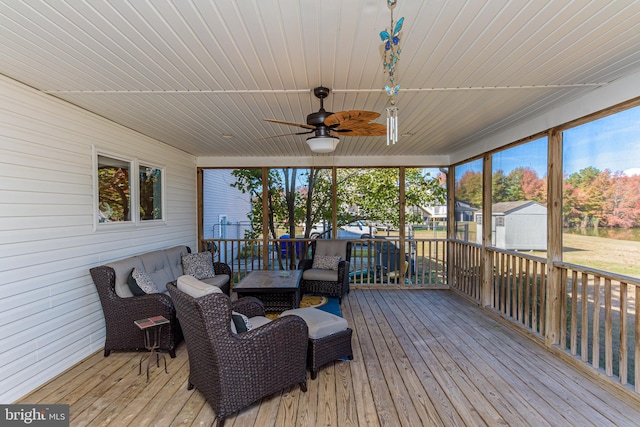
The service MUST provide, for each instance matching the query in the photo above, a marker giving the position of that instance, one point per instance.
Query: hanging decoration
(391, 39)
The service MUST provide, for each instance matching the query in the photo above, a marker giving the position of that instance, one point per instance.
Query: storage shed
(520, 225)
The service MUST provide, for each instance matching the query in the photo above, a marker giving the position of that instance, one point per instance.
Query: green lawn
(611, 255)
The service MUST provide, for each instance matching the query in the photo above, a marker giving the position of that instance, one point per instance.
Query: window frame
(134, 198)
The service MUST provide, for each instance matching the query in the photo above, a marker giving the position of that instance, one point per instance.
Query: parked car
(354, 230)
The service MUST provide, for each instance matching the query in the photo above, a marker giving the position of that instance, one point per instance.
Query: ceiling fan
(327, 126)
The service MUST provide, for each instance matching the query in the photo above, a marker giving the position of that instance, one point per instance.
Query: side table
(152, 327)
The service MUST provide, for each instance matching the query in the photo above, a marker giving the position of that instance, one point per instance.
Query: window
(601, 192)
(468, 200)
(123, 197)
(114, 190)
(222, 221)
(150, 184)
(519, 191)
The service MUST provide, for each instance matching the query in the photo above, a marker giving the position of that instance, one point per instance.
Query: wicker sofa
(121, 308)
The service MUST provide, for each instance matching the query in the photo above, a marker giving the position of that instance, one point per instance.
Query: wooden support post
(334, 202)
(451, 223)
(200, 209)
(486, 269)
(554, 237)
(403, 205)
(265, 218)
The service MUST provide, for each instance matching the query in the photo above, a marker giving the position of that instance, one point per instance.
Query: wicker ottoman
(329, 337)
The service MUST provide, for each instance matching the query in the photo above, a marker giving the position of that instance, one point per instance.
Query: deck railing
(374, 262)
(519, 287)
(466, 268)
(600, 314)
(601, 321)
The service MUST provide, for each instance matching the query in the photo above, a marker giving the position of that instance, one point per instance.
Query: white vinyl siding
(50, 315)
(221, 200)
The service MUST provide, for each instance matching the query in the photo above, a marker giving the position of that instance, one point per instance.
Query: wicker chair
(326, 282)
(120, 314)
(234, 371)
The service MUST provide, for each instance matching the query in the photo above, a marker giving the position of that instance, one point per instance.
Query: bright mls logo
(34, 415)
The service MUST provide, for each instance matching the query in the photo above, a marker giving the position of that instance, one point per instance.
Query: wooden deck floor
(421, 358)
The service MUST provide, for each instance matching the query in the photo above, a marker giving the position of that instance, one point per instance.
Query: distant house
(225, 208)
(518, 225)
(434, 214)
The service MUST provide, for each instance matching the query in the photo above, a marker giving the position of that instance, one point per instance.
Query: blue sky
(612, 143)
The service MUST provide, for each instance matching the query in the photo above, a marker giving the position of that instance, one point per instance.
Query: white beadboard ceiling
(187, 72)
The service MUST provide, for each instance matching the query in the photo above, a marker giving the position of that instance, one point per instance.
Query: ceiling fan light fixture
(323, 143)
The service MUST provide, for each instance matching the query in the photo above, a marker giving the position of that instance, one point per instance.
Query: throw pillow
(133, 286)
(241, 322)
(198, 265)
(326, 262)
(144, 282)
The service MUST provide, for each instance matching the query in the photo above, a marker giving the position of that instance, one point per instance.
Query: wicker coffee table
(279, 290)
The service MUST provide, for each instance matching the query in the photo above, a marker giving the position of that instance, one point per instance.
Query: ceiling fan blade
(282, 122)
(286, 134)
(368, 129)
(356, 123)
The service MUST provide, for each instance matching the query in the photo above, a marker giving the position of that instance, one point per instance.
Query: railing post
(554, 237)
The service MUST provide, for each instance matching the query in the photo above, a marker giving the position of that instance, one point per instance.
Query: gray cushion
(122, 270)
(175, 259)
(164, 266)
(320, 323)
(331, 247)
(158, 267)
(198, 265)
(320, 274)
(217, 280)
(257, 321)
(194, 287)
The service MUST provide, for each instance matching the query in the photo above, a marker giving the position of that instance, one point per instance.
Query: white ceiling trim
(322, 161)
(272, 91)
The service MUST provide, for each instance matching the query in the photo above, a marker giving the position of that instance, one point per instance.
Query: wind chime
(391, 39)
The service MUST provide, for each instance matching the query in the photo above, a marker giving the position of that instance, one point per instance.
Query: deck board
(420, 358)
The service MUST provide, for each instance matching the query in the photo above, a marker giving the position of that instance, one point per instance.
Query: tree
(583, 197)
(114, 192)
(499, 186)
(373, 194)
(515, 181)
(623, 201)
(533, 187)
(301, 196)
(522, 183)
(469, 188)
